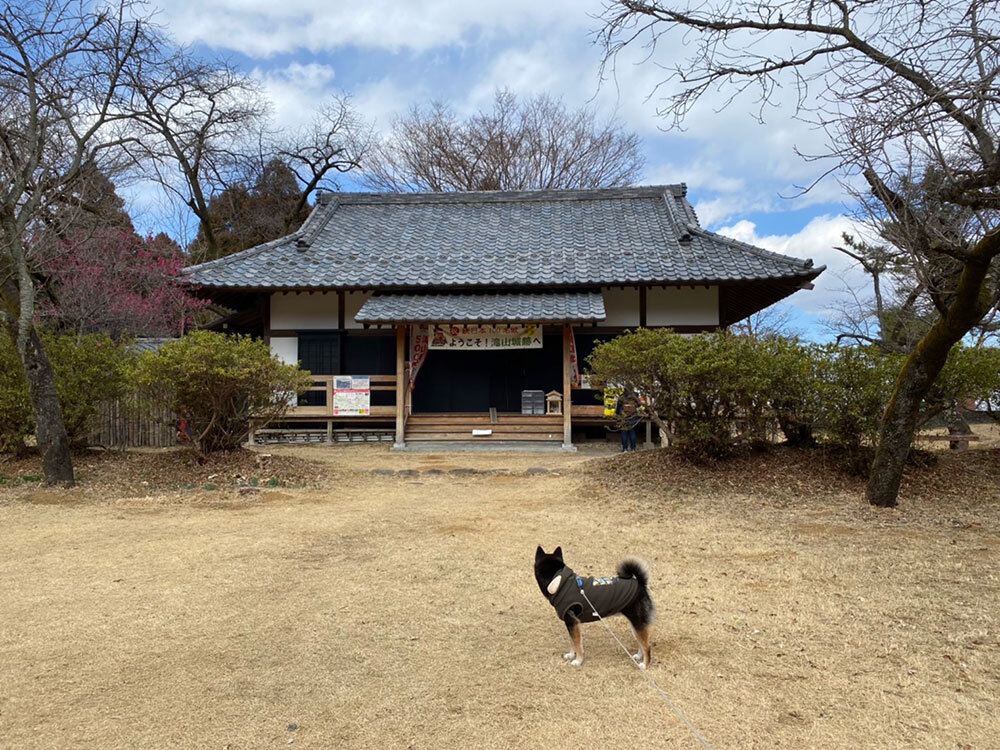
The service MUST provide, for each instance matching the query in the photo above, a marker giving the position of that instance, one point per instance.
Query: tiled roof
(517, 306)
(499, 239)
(141, 345)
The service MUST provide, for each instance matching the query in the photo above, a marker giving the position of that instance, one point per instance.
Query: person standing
(628, 418)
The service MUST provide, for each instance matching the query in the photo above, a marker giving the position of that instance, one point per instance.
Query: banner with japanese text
(472, 336)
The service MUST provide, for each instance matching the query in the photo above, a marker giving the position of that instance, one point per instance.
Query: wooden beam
(265, 311)
(400, 386)
(340, 309)
(642, 307)
(567, 390)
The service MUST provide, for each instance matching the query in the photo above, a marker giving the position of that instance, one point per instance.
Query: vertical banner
(574, 360)
(419, 342)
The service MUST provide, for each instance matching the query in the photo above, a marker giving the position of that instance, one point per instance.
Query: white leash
(645, 674)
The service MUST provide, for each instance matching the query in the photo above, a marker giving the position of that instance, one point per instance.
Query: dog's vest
(608, 595)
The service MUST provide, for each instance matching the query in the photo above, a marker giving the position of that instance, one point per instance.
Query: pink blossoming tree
(112, 281)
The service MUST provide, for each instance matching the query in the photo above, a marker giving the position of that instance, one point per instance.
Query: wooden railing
(324, 384)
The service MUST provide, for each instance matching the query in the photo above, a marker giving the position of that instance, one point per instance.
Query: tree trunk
(900, 422)
(49, 427)
(921, 368)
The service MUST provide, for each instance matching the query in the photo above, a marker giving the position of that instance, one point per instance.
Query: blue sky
(391, 54)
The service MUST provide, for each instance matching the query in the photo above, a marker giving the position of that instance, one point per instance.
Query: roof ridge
(508, 196)
(300, 233)
(805, 264)
(310, 233)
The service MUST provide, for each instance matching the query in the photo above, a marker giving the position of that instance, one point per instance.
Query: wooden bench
(955, 442)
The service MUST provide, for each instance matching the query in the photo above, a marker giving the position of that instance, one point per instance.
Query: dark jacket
(609, 595)
(628, 418)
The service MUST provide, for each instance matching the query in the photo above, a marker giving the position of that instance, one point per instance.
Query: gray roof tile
(490, 239)
(537, 307)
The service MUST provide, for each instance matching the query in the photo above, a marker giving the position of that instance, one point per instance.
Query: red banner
(574, 360)
(419, 342)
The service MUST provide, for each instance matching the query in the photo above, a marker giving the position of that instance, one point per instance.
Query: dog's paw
(570, 655)
(637, 657)
(642, 666)
(577, 662)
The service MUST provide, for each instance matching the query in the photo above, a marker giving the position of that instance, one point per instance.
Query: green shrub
(16, 421)
(717, 393)
(709, 391)
(217, 383)
(795, 398)
(856, 383)
(969, 374)
(88, 370)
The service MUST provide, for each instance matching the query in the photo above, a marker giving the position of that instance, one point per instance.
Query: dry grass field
(154, 606)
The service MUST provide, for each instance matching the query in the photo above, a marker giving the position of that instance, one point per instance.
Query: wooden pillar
(264, 301)
(400, 386)
(567, 390)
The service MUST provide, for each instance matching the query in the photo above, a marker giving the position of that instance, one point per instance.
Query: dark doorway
(451, 381)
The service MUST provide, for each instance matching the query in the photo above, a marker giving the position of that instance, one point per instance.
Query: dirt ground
(335, 607)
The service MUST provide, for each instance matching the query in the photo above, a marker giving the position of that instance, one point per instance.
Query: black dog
(628, 595)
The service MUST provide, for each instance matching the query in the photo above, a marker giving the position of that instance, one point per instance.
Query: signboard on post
(352, 396)
(475, 337)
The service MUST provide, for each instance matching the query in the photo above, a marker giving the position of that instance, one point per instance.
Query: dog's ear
(558, 552)
(539, 553)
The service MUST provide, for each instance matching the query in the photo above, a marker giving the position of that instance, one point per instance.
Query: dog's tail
(633, 567)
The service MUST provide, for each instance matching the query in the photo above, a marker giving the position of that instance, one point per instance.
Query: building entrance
(475, 381)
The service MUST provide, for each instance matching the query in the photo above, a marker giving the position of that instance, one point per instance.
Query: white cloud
(461, 52)
(381, 100)
(538, 69)
(262, 28)
(817, 240)
(297, 90)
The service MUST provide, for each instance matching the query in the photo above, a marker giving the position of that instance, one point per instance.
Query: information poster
(478, 337)
(352, 396)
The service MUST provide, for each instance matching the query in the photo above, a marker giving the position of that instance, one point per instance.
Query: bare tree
(774, 321)
(199, 122)
(64, 76)
(901, 87)
(519, 145)
(895, 313)
(334, 143)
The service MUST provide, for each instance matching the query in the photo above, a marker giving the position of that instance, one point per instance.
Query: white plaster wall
(286, 348)
(352, 303)
(290, 311)
(682, 306)
(621, 306)
(313, 311)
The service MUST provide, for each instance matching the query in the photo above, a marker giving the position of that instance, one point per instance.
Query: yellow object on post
(611, 396)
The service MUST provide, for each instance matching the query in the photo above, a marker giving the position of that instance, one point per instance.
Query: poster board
(352, 396)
